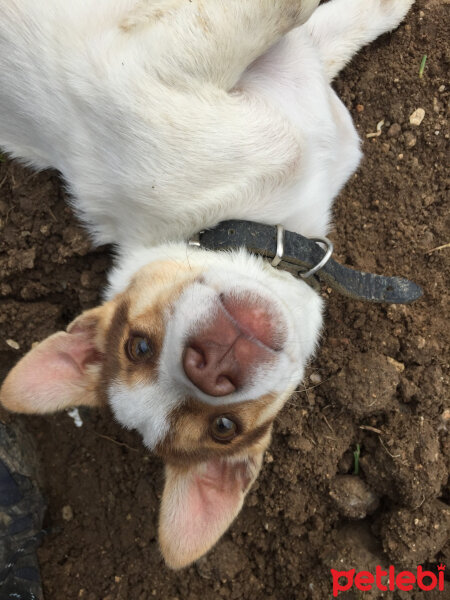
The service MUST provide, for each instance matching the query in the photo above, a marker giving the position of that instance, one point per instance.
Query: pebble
(67, 513)
(410, 139)
(13, 344)
(394, 130)
(417, 117)
(75, 415)
(398, 366)
(268, 458)
(353, 497)
(315, 378)
(5, 289)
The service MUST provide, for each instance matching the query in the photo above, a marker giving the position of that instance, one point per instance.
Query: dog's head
(196, 350)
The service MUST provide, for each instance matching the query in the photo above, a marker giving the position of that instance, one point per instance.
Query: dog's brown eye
(223, 429)
(139, 348)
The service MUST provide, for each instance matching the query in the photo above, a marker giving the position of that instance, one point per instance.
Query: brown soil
(380, 379)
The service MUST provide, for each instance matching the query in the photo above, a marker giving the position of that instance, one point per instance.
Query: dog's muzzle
(305, 258)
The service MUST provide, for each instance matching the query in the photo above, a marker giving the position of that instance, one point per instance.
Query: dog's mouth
(255, 320)
(242, 335)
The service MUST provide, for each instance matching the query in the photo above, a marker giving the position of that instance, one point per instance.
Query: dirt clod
(353, 498)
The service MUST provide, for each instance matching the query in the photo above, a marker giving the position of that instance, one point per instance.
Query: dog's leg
(342, 27)
(214, 40)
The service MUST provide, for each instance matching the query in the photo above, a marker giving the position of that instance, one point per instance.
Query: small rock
(360, 108)
(13, 344)
(408, 390)
(315, 378)
(394, 130)
(67, 513)
(297, 442)
(421, 342)
(417, 117)
(410, 139)
(353, 497)
(268, 458)
(398, 366)
(5, 289)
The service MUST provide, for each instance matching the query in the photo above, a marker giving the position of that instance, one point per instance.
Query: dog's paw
(393, 12)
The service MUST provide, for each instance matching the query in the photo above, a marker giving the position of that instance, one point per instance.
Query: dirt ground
(380, 379)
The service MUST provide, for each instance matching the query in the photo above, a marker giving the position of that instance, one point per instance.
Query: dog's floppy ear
(61, 371)
(200, 502)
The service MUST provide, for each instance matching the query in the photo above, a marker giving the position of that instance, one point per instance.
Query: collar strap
(303, 257)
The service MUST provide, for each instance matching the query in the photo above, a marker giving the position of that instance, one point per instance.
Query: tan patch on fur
(142, 310)
(145, 13)
(189, 439)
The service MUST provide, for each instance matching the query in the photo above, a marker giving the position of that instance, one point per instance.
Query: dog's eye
(223, 429)
(138, 348)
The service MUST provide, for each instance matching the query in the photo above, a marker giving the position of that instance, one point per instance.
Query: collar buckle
(326, 257)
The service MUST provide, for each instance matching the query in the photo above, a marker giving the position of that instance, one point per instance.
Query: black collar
(303, 257)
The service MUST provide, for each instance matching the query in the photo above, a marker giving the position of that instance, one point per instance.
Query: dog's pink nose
(241, 337)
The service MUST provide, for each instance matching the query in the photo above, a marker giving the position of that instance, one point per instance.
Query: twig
(369, 428)
(52, 215)
(3, 180)
(329, 426)
(423, 500)
(356, 455)
(384, 446)
(110, 439)
(438, 248)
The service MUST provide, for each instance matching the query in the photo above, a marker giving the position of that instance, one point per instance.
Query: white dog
(166, 117)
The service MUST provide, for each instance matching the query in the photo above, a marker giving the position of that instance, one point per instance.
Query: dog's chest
(147, 162)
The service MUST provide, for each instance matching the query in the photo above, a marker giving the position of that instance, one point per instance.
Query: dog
(164, 118)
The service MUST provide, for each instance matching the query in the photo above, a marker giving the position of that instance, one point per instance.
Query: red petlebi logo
(404, 581)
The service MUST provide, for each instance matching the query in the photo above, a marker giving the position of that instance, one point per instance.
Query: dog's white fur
(165, 117)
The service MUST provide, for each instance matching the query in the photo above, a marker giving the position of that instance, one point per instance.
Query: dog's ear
(61, 371)
(200, 502)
